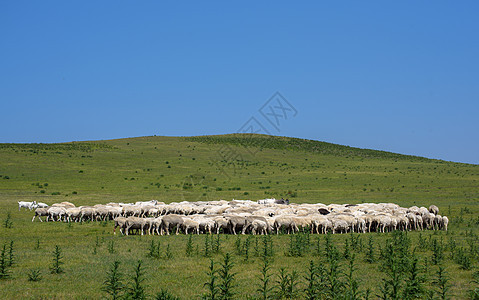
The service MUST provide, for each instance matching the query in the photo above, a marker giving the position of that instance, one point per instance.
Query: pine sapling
(312, 289)
(370, 258)
(317, 247)
(334, 283)
(206, 248)
(4, 269)
(442, 282)
(265, 289)
(217, 244)
(281, 287)
(113, 284)
(226, 277)
(136, 289)
(352, 284)
(152, 249)
(111, 247)
(437, 252)
(189, 245)
(474, 291)
(211, 284)
(238, 245)
(256, 247)
(414, 283)
(37, 245)
(11, 255)
(57, 262)
(8, 221)
(168, 254)
(293, 283)
(246, 245)
(347, 250)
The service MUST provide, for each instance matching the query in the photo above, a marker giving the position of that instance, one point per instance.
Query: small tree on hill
(136, 290)
(226, 277)
(113, 284)
(57, 261)
(4, 271)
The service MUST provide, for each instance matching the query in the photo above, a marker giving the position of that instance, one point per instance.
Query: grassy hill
(229, 166)
(239, 166)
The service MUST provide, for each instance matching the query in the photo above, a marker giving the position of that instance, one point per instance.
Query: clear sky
(400, 76)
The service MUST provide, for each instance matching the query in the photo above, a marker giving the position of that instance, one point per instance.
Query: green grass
(209, 168)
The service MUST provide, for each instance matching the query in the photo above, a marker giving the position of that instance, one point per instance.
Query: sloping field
(211, 168)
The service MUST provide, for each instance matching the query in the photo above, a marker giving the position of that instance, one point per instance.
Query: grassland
(210, 168)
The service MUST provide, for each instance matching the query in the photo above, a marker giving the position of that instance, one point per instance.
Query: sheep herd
(245, 216)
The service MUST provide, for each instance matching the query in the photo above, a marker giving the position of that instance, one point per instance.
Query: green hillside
(229, 166)
(223, 167)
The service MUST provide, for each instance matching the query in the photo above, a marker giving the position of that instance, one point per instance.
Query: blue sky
(400, 76)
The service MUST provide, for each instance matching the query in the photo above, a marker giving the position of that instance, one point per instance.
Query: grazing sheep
(284, 223)
(26, 205)
(220, 224)
(248, 221)
(171, 221)
(73, 213)
(433, 209)
(340, 226)
(235, 222)
(56, 213)
(87, 213)
(259, 227)
(119, 222)
(139, 224)
(445, 221)
(246, 216)
(189, 223)
(40, 212)
(320, 222)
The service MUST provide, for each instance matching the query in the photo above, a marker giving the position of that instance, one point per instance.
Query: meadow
(173, 169)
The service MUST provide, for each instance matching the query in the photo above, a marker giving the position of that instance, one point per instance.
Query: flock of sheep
(246, 216)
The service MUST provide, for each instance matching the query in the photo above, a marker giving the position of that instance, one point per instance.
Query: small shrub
(168, 254)
(287, 285)
(165, 295)
(437, 251)
(462, 259)
(189, 245)
(37, 245)
(111, 247)
(8, 221)
(154, 250)
(34, 275)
